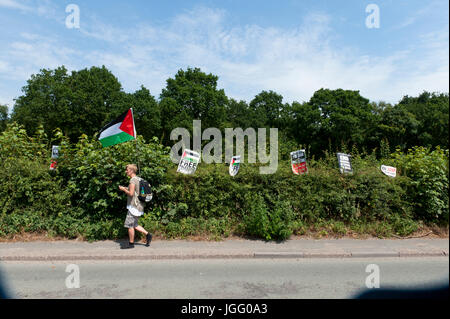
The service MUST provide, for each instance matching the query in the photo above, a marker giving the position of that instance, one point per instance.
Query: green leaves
(82, 101)
(81, 198)
(95, 173)
(191, 95)
(345, 118)
(30, 196)
(432, 113)
(67, 109)
(429, 174)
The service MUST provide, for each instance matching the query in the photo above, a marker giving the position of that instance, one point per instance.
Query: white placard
(55, 151)
(389, 170)
(345, 165)
(189, 162)
(234, 165)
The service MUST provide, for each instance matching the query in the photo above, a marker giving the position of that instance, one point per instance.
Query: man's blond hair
(133, 167)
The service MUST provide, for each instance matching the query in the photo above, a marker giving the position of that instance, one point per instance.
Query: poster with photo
(298, 162)
(55, 151)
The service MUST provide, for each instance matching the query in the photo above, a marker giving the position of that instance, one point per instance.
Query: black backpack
(145, 193)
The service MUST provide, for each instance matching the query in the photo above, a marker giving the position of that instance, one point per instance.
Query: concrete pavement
(233, 248)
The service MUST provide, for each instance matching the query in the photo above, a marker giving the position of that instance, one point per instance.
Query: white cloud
(3, 66)
(104, 32)
(47, 9)
(12, 4)
(294, 62)
(422, 13)
(30, 53)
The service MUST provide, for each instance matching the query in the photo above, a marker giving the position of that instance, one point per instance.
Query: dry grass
(423, 232)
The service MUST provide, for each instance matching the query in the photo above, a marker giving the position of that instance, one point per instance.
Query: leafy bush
(256, 221)
(428, 188)
(81, 198)
(93, 174)
(31, 197)
(262, 222)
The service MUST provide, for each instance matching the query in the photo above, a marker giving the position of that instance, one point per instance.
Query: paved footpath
(233, 248)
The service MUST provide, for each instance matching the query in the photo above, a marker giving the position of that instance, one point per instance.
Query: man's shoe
(149, 239)
(130, 245)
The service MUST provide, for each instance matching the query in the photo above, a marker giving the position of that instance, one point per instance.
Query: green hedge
(81, 198)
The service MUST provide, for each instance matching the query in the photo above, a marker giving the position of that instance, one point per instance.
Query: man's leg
(131, 234)
(130, 223)
(148, 236)
(141, 229)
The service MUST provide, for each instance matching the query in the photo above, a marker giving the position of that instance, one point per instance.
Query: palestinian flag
(118, 131)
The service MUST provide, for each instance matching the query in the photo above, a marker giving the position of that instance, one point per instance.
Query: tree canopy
(431, 110)
(81, 102)
(77, 103)
(3, 117)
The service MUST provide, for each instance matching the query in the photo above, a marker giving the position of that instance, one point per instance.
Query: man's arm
(130, 190)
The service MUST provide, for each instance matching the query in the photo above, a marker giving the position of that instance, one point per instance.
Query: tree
(197, 96)
(346, 118)
(95, 92)
(77, 104)
(3, 117)
(398, 126)
(432, 112)
(45, 101)
(173, 115)
(267, 108)
(305, 125)
(147, 113)
(238, 114)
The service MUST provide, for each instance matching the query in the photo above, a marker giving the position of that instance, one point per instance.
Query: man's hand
(128, 190)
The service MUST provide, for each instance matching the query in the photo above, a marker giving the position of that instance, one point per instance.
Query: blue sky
(292, 47)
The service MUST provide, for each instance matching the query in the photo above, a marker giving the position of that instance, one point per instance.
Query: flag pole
(139, 166)
(135, 138)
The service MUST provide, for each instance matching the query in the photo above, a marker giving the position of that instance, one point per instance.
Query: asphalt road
(216, 278)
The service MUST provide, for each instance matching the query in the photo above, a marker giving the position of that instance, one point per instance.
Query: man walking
(135, 207)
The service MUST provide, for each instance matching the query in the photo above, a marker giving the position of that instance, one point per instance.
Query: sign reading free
(189, 162)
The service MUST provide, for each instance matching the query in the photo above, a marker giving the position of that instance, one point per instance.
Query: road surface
(216, 278)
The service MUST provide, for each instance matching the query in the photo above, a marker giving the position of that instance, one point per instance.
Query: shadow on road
(123, 243)
(440, 292)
